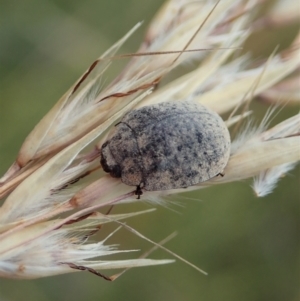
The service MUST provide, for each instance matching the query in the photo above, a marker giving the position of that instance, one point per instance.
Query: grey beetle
(169, 145)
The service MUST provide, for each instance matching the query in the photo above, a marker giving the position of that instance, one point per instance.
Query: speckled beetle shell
(166, 146)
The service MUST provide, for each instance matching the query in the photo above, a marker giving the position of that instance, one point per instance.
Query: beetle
(169, 145)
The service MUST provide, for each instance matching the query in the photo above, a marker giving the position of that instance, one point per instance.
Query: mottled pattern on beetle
(168, 145)
(121, 157)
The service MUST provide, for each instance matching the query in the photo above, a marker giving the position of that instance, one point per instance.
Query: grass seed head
(55, 170)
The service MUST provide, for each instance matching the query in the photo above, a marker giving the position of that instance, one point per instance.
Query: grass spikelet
(266, 181)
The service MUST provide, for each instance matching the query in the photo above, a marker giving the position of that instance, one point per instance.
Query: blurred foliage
(249, 246)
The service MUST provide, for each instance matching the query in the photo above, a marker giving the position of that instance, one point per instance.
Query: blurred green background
(249, 246)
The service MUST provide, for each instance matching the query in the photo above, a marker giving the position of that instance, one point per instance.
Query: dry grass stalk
(44, 181)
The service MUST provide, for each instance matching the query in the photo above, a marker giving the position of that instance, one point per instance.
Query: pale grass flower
(54, 171)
